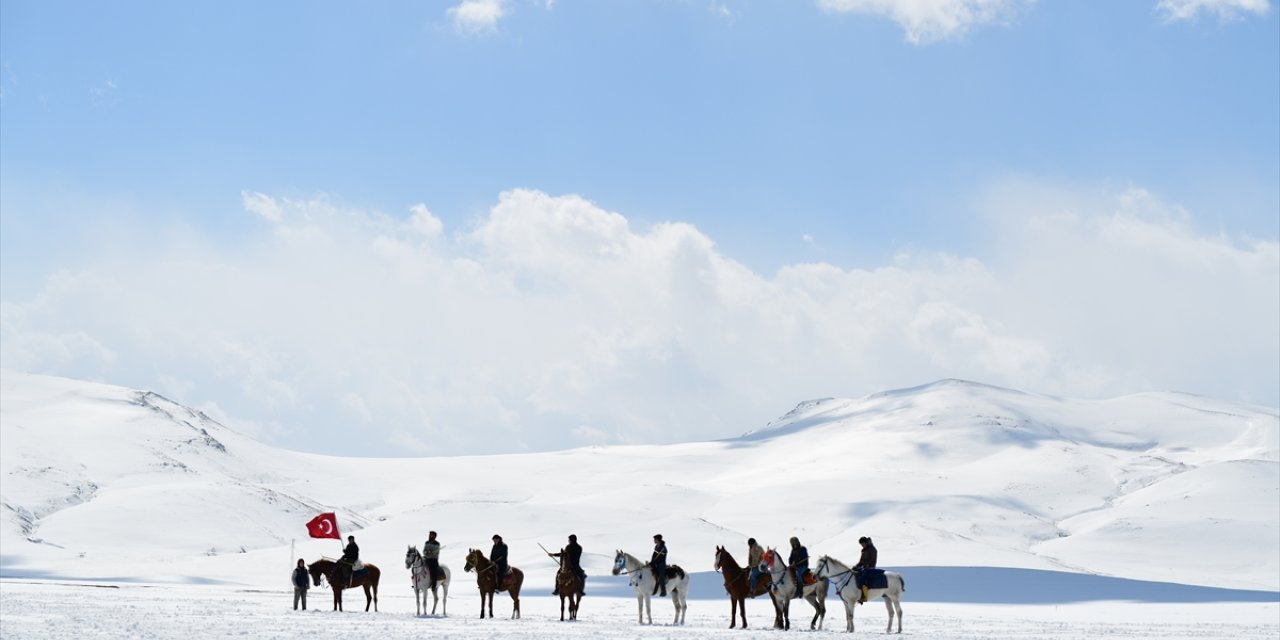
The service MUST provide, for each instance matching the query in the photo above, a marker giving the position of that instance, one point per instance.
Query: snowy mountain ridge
(104, 482)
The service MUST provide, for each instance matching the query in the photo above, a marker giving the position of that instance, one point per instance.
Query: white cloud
(1179, 10)
(552, 322)
(928, 21)
(472, 16)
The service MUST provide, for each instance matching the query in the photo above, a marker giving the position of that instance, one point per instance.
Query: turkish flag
(324, 525)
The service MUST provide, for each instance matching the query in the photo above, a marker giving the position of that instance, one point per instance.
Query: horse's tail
(903, 581)
(676, 571)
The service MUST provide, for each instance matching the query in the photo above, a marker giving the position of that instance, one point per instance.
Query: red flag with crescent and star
(324, 525)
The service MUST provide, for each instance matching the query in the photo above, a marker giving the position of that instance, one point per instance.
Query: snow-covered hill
(105, 482)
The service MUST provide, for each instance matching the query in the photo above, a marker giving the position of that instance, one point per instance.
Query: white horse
(421, 577)
(645, 583)
(849, 591)
(784, 589)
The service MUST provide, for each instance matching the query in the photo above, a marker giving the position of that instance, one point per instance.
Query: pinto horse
(850, 593)
(737, 581)
(487, 580)
(568, 587)
(329, 570)
(420, 574)
(784, 587)
(645, 583)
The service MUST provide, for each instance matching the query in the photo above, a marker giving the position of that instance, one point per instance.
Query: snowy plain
(126, 515)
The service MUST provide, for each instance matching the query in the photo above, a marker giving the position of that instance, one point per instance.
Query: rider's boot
(863, 599)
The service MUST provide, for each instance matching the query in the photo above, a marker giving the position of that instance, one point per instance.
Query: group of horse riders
(571, 560)
(798, 562)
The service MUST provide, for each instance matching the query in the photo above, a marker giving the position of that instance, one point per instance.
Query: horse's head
(471, 560)
(316, 572)
(720, 553)
(822, 569)
(411, 556)
(766, 560)
(619, 562)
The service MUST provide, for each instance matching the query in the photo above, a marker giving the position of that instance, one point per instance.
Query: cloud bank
(927, 21)
(552, 322)
(1185, 10)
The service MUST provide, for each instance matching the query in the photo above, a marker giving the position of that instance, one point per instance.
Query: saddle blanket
(872, 579)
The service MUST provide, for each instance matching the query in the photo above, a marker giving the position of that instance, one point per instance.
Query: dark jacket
(300, 578)
(659, 558)
(868, 558)
(799, 558)
(572, 555)
(499, 555)
(351, 553)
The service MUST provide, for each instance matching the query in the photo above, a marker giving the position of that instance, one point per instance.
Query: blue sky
(864, 136)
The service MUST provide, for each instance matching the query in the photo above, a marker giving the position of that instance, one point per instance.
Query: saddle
(871, 579)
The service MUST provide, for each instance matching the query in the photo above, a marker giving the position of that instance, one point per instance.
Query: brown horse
(487, 580)
(568, 586)
(737, 581)
(368, 578)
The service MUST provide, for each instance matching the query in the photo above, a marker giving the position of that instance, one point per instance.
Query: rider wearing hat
(658, 562)
(499, 556)
(431, 555)
(755, 553)
(799, 562)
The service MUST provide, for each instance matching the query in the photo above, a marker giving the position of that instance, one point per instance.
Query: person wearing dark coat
(350, 555)
(658, 562)
(301, 582)
(431, 556)
(571, 559)
(499, 557)
(799, 563)
(865, 561)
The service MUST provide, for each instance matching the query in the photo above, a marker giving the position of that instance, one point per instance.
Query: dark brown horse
(568, 586)
(487, 580)
(368, 578)
(737, 581)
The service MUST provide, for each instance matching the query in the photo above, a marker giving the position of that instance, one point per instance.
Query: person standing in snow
(301, 582)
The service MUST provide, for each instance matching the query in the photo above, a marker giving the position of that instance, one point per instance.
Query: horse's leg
(640, 608)
(444, 608)
(733, 612)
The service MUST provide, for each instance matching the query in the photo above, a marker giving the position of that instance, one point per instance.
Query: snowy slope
(104, 482)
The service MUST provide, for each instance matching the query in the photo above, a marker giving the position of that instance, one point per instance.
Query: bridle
(822, 566)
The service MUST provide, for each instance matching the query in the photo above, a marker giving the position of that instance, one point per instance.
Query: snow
(1013, 514)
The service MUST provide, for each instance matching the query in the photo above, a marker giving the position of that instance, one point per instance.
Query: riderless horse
(737, 581)
(646, 584)
(487, 581)
(848, 588)
(568, 587)
(367, 577)
(420, 574)
(784, 589)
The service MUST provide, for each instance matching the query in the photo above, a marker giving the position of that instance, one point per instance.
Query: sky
(497, 226)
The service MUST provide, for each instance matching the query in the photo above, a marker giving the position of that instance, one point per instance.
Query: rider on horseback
(347, 564)
(866, 561)
(798, 561)
(754, 553)
(572, 559)
(431, 555)
(658, 562)
(499, 557)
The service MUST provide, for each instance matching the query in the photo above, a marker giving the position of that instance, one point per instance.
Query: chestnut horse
(329, 569)
(487, 580)
(737, 581)
(568, 586)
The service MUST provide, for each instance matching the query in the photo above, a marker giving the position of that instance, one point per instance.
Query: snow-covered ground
(80, 612)
(1009, 514)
